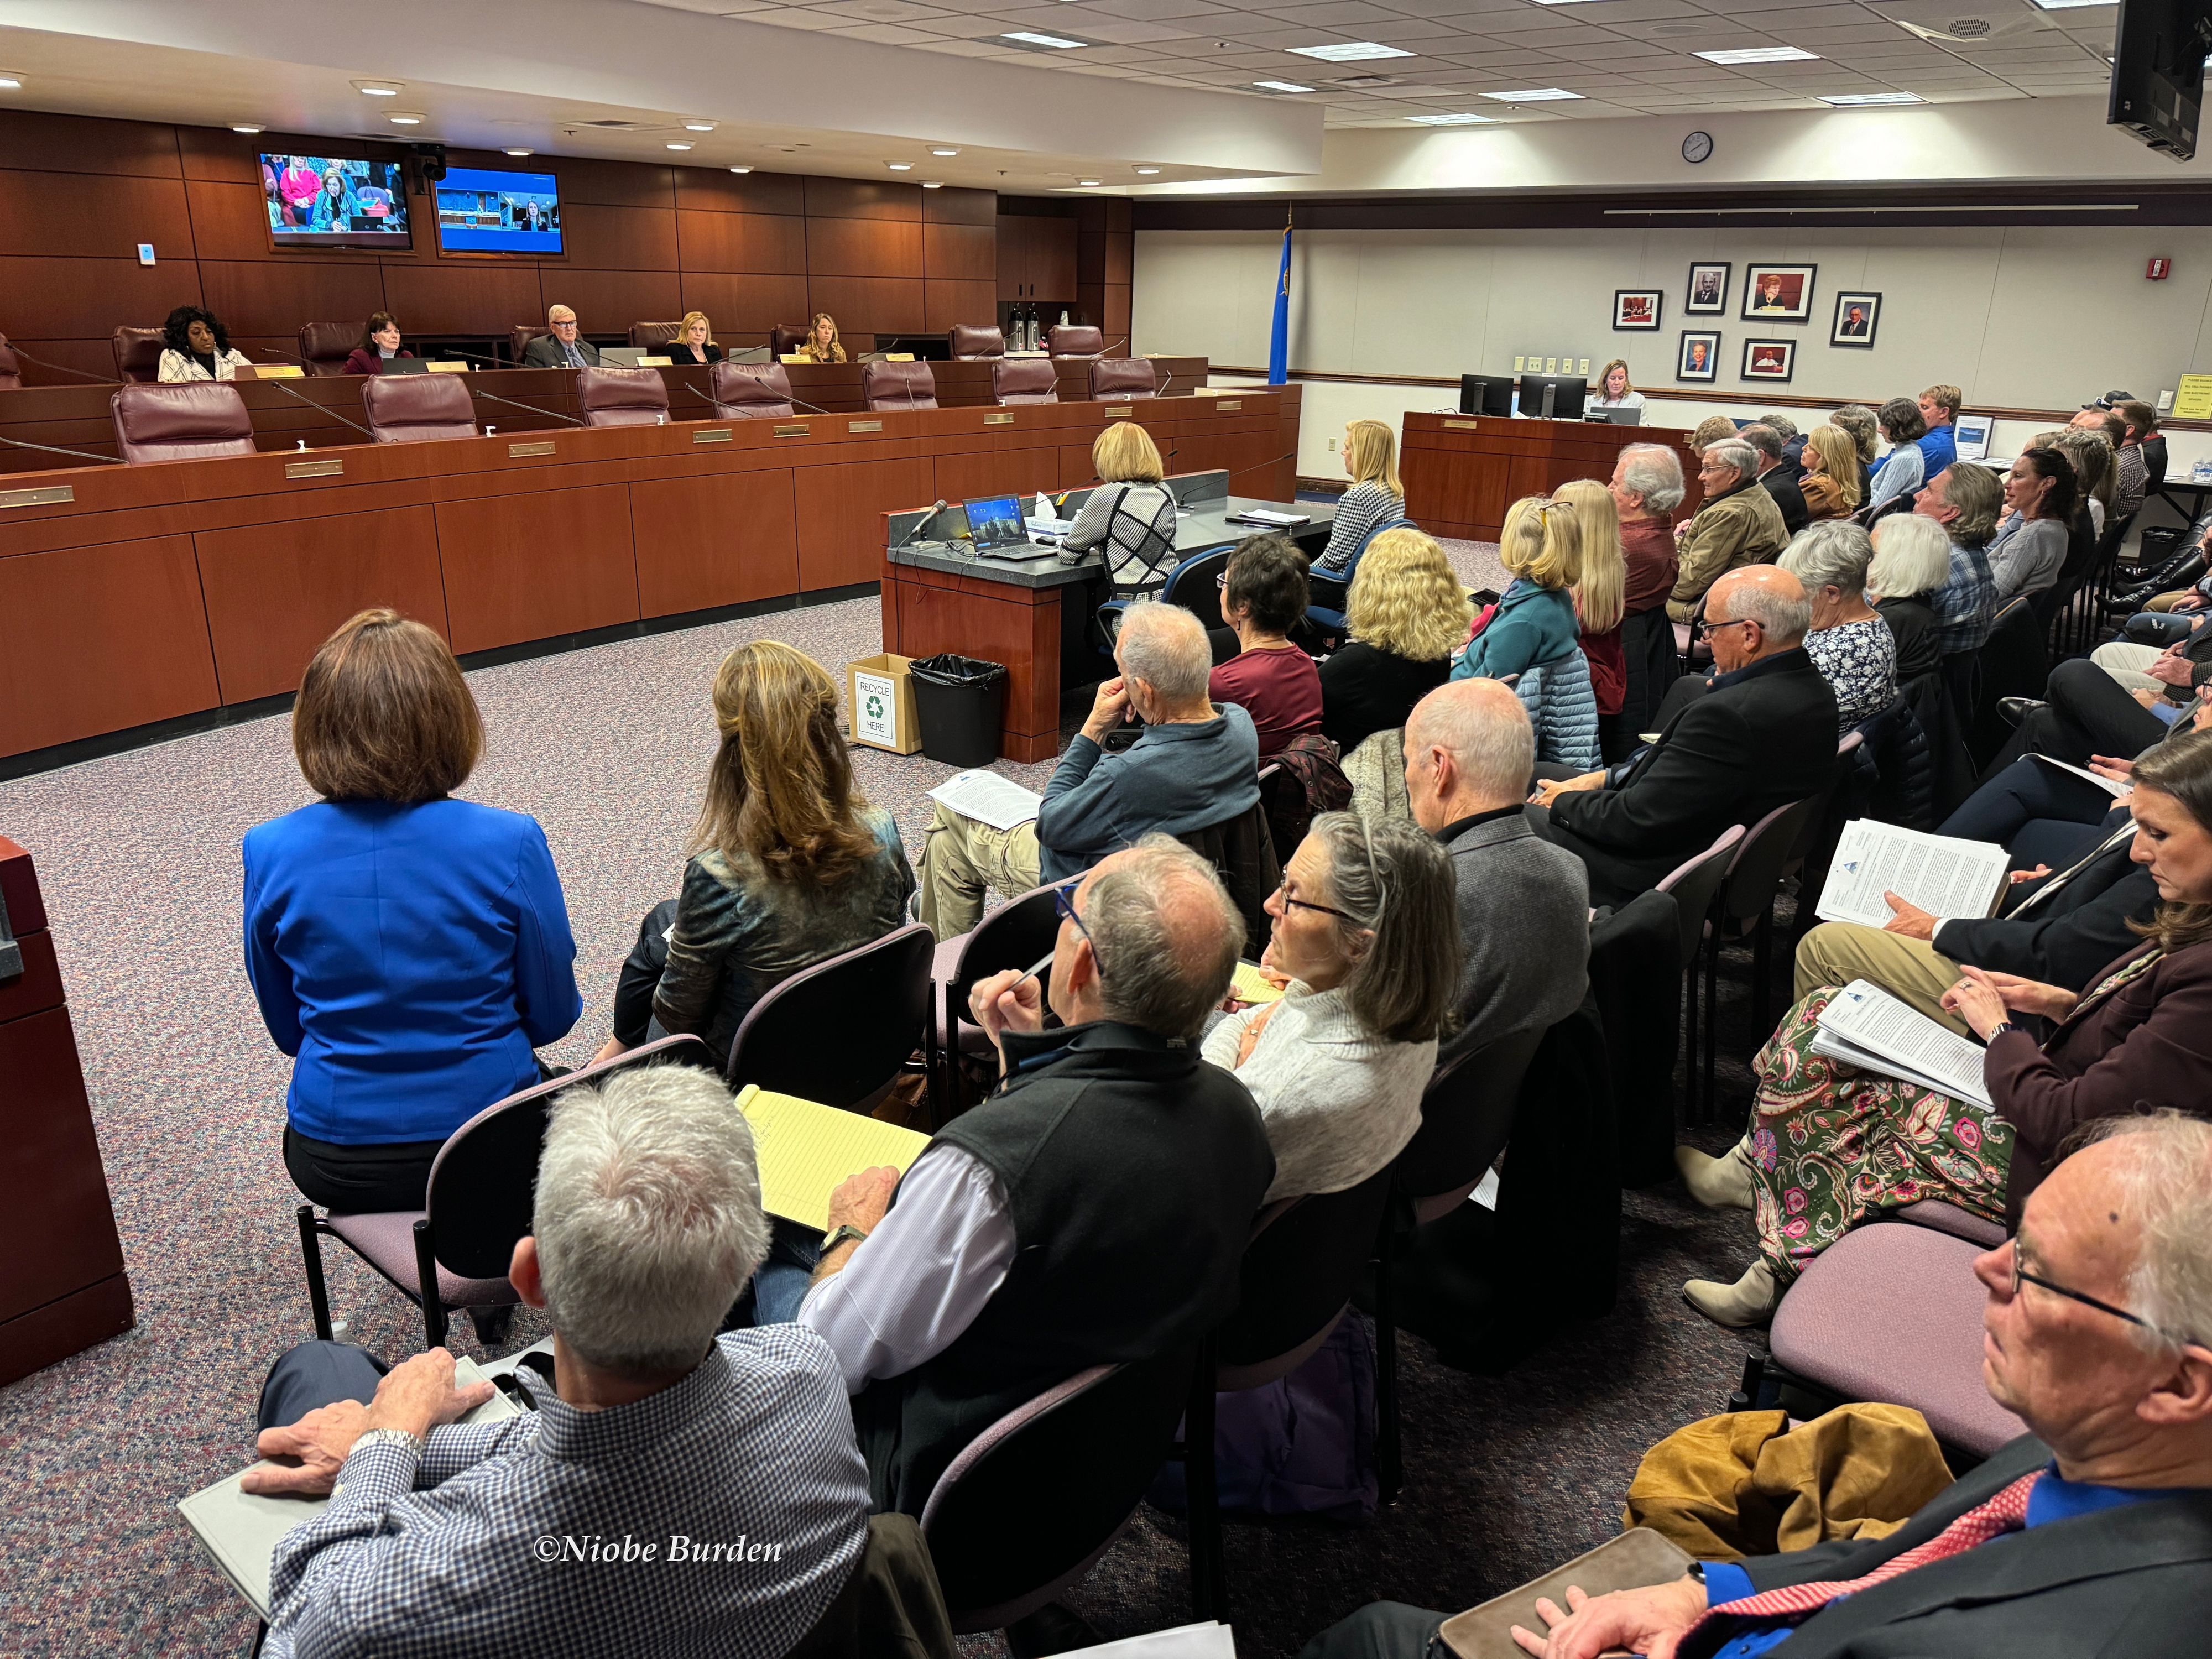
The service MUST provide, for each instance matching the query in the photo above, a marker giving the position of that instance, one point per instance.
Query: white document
(1268, 515)
(1942, 875)
(1865, 1026)
(1207, 1641)
(241, 1529)
(996, 801)
(2112, 787)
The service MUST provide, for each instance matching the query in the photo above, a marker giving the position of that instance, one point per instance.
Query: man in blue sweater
(1195, 765)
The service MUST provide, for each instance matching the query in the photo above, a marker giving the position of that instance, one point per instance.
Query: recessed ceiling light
(900, 167)
(1759, 55)
(1088, 184)
(1148, 171)
(405, 120)
(698, 126)
(377, 88)
(519, 152)
(2068, 5)
(1854, 100)
(243, 126)
(1533, 95)
(1353, 52)
(944, 152)
(679, 146)
(933, 184)
(1051, 42)
(1464, 119)
(741, 169)
(1281, 85)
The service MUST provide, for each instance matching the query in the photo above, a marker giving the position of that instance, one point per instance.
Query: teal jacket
(1532, 626)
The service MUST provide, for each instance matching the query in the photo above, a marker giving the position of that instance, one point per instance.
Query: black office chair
(810, 1038)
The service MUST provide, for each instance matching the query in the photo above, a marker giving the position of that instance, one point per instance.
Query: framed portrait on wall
(1636, 310)
(1698, 356)
(1769, 360)
(1778, 293)
(1709, 287)
(1857, 317)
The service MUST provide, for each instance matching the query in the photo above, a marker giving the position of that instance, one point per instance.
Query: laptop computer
(406, 366)
(994, 522)
(622, 357)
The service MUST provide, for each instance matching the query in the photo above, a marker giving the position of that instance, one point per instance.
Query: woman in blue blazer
(408, 949)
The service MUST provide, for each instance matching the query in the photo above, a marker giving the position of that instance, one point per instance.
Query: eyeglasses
(1741, 621)
(2021, 1275)
(1063, 901)
(1283, 892)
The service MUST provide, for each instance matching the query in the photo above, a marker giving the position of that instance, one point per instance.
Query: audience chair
(898, 386)
(11, 371)
(784, 338)
(2056, 602)
(520, 337)
(1243, 854)
(1075, 340)
(138, 355)
(622, 396)
(1014, 935)
(1636, 982)
(810, 1038)
(750, 392)
(1890, 1312)
(969, 341)
(407, 409)
(1195, 584)
(1745, 909)
(1328, 597)
(1025, 380)
(454, 1253)
(183, 423)
(325, 347)
(1950, 1218)
(1694, 884)
(652, 337)
(1030, 1505)
(1122, 379)
(2012, 663)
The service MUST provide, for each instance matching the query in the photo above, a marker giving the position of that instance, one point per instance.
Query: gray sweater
(2026, 554)
(1176, 779)
(1524, 932)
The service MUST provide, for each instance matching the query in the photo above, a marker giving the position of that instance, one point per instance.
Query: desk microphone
(322, 409)
(527, 408)
(63, 368)
(49, 449)
(928, 518)
(795, 398)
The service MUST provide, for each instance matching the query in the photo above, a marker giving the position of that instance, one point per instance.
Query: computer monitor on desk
(1485, 394)
(1553, 396)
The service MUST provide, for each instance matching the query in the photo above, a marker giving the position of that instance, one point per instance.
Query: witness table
(1034, 613)
(1462, 471)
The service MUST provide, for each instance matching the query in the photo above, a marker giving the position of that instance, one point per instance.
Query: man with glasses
(563, 348)
(2092, 1534)
(1738, 523)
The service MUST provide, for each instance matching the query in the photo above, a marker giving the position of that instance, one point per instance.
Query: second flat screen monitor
(1566, 393)
(483, 211)
(1485, 394)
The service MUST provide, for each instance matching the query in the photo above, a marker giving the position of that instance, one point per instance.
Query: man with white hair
(562, 347)
(1195, 765)
(1737, 525)
(675, 1492)
(2092, 1534)
(1095, 1210)
(1764, 736)
(1523, 904)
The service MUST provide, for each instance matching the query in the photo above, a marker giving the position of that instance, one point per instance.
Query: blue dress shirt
(410, 958)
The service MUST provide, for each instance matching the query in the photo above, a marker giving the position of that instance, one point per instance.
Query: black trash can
(960, 702)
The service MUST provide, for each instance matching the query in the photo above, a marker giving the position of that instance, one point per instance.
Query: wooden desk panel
(725, 540)
(927, 612)
(276, 592)
(1462, 472)
(533, 566)
(841, 514)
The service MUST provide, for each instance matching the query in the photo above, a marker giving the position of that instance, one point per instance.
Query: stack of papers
(1943, 875)
(1268, 515)
(1252, 986)
(985, 796)
(1049, 527)
(1865, 1026)
(2112, 787)
(1207, 1641)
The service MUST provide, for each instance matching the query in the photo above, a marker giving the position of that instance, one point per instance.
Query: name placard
(516, 451)
(1225, 404)
(314, 469)
(1121, 411)
(1462, 426)
(798, 431)
(998, 420)
(718, 434)
(445, 366)
(50, 496)
(864, 426)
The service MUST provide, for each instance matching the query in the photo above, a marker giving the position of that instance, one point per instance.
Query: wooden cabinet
(1036, 258)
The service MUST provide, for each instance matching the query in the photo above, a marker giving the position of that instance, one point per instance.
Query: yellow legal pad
(806, 1148)
(1250, 985)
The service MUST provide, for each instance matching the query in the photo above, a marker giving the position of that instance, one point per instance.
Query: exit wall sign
(2158, 270)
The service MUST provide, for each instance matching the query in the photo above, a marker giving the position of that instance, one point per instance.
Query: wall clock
(1697, 147)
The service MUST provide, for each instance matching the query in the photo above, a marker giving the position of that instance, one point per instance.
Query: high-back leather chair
(183, 423)
(971, 340)
(520, 337)
(1121, 378)
(1075, 340)
(325, 347)
(898, 385)
(138, 355)
(1025, 380)
(750, 392)
(622, 396)
(651, 337)
(785, 338)
(409, 408)
(11, 372)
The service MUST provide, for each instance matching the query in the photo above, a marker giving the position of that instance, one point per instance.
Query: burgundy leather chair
(323, 347)
(1025, 380)
(898, 385)
(520, 337)
(968, 340)
(622, 396)
(183, 422)
(410, 409)
(138, 355)
(785, 338)
(1075, 340)
(1118, 380)
(750, 392)
(11, 372)
(651, 337)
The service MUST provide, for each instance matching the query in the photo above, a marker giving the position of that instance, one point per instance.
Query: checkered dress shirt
(474, 1548)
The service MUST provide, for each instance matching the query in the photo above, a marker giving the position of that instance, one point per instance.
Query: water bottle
(2201, 473)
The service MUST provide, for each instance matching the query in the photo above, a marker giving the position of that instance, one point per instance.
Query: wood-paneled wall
(646, 243)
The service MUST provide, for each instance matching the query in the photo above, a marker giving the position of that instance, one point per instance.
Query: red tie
(2006, 1512)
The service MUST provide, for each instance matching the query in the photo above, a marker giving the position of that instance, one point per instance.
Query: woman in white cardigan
(1366, 930)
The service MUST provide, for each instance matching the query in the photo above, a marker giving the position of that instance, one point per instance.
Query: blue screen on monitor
(481, 211)
(322, 201)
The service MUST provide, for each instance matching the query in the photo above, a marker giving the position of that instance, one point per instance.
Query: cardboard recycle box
(880, 693)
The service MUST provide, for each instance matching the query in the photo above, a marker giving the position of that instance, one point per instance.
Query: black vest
(1131, 1172)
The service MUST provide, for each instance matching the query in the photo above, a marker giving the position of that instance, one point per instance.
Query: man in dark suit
(2090, 1535)
(1855, 322)
(1776, 474)
(1764, 736)
(562, 347)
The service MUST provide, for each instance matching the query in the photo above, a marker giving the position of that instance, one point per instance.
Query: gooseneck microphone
(322, 409)
(51, 449)
(527, 408)
(928, 518)
(64, 368)
(800, 401)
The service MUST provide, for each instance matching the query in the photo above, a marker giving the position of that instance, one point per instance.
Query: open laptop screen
(996, 521)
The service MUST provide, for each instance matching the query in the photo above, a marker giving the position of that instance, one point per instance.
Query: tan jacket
(1824, 496)
(1741, 527)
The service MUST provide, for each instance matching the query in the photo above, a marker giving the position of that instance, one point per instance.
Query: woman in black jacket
(1407, 613)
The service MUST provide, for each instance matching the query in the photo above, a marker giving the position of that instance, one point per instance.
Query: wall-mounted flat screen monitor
(483, 211)
(335, 201)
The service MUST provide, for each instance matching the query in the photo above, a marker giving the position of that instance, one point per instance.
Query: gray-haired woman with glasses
(1366, 928)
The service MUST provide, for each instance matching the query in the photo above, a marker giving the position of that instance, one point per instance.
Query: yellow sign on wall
(2193, 400)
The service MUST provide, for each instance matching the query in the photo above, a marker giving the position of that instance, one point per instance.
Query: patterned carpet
(138, 853)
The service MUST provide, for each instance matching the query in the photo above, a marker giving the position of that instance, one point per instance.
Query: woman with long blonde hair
(822, 345)
(1534, 624)
(1830, 483)
(1601, 592)
(1370, 456)
(1407, 614)
(790, 864)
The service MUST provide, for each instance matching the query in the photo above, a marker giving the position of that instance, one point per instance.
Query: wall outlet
(1331, 446)
(1585, 369)
(2166, 403)
(1519, 364)
(1550, 365)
